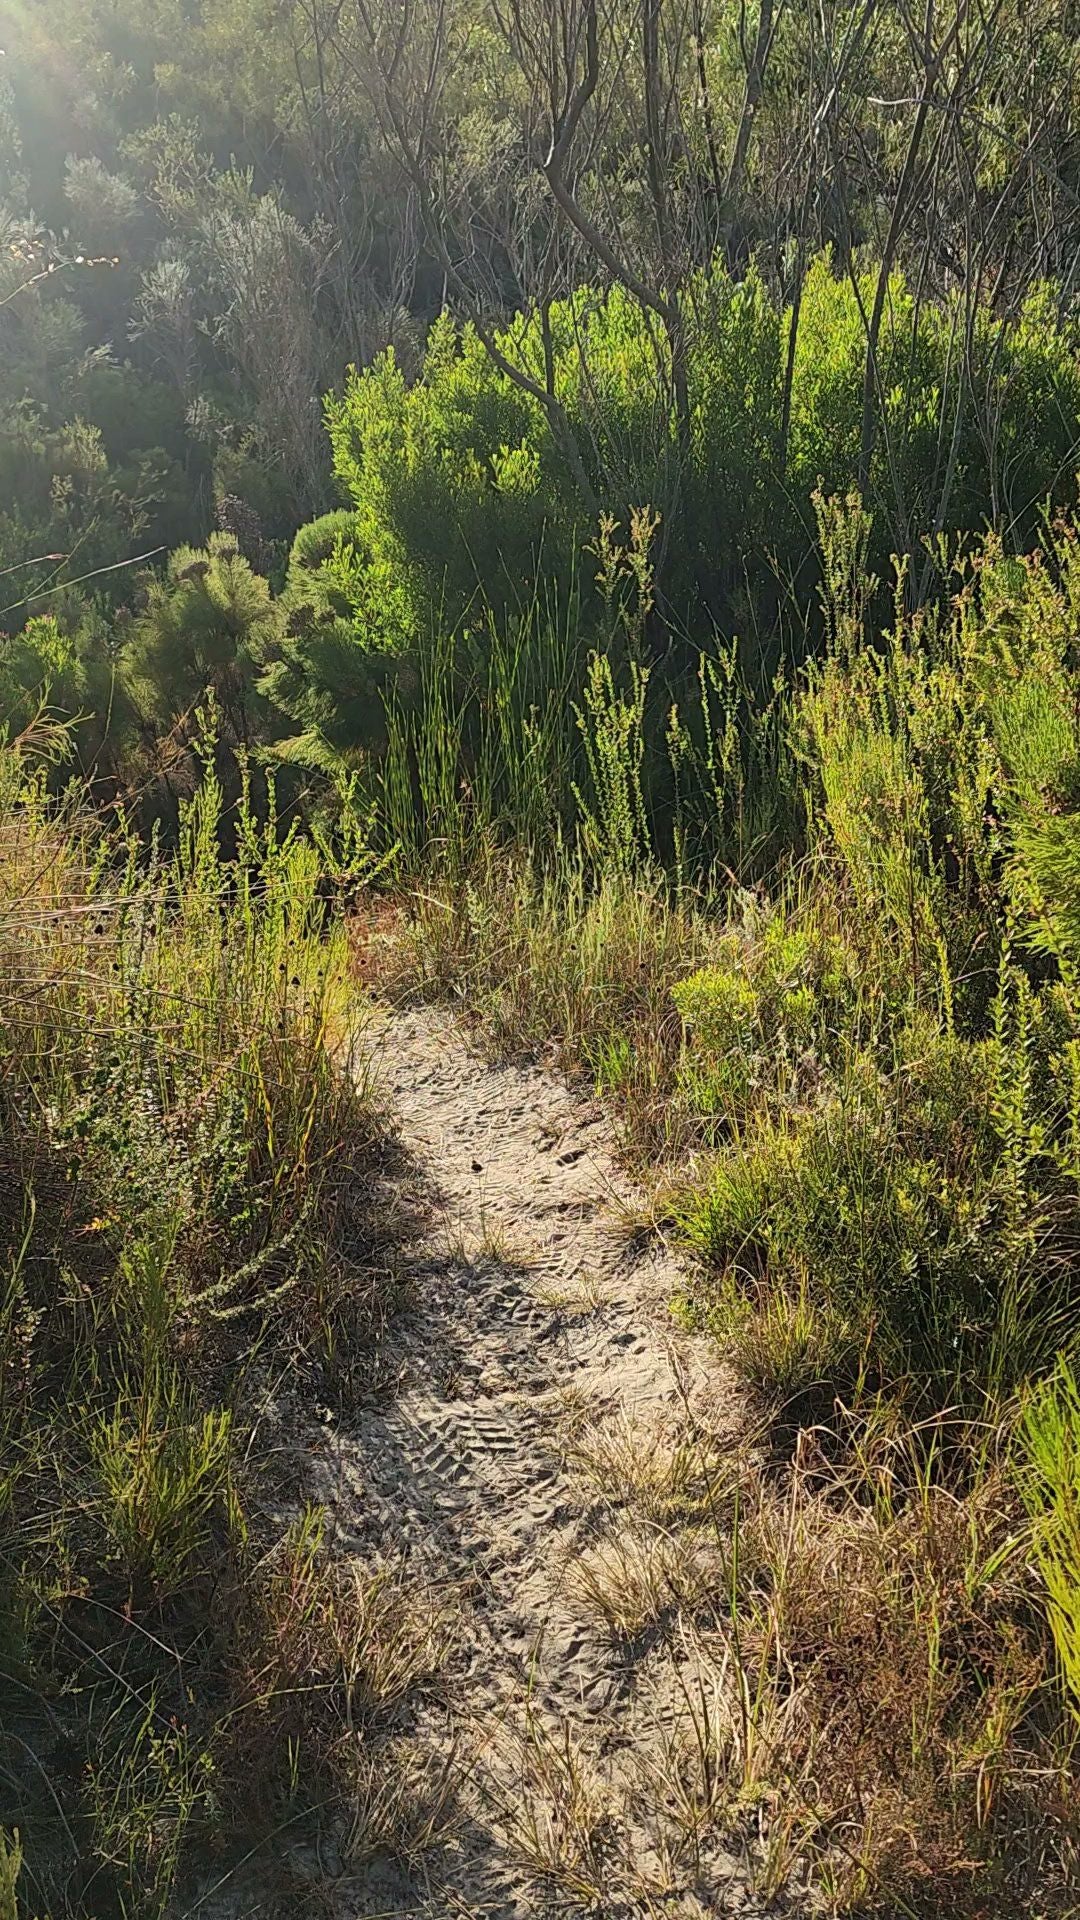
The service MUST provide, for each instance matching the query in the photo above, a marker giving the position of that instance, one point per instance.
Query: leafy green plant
(464, 493)
(1051, 1442)
(163, 1472)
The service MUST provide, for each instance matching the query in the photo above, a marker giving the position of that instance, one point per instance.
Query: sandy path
(540, 1315)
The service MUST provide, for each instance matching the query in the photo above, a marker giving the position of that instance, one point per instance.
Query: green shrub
(466, 496)
(207, 627)
(69, 664)
(720, 1008)
(768, 1012)
(320, 539)
(920, 1205)
(450, 492)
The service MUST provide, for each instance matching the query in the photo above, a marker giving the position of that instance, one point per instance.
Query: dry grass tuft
(553, 1807)
(655, 1469)
(404, 1801)
(876, 1685)
(633, 1581)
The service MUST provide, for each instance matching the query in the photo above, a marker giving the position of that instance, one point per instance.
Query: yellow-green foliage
(769, 1005)
(1051, 1434)
(892, 1064)
(462, 489)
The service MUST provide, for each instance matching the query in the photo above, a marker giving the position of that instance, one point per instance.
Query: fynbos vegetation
(566, 508)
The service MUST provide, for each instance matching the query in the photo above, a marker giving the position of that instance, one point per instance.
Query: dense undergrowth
(186, 1216)
(598, 685)
(476, 546)
(816, 943)
(456, 477)
(802, 906)
(848, 1046)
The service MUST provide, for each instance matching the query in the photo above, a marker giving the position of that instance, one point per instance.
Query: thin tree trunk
(755, 84)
